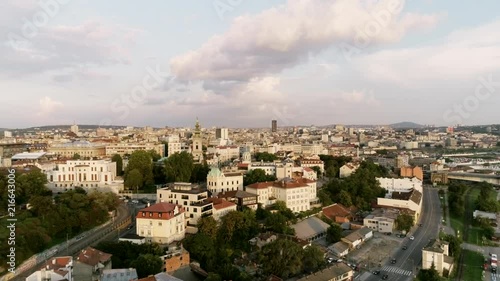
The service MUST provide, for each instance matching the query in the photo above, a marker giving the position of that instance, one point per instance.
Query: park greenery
(217, 246)
(360, 189)
(456, 198)
(332, 164)
(265, 157)
(145, 258)
(334, 233)
(50, 220)
(430, 274)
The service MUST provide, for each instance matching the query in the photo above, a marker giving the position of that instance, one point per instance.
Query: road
(409, 261)
(92, 238)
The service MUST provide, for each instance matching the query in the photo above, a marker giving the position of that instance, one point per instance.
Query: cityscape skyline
(298, 62)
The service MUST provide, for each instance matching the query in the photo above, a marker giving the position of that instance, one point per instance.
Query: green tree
(208, 226)
(430, 274)
(119, 164)
(345, 198)
(202, 249)
(134, 179)
(276, 222)
(317, 169)
(265, 156)
(257, 175)
(76, 156)
(282, 258)
(141, 160)
(313, 259)
(325, 198)
(200, 172)
(404, 222)
(332, 171)
(334, 233)
(147, 264)
(155, 156)
(179, 167)
(213, 277)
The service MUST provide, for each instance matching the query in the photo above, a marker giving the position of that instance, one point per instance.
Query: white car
(412, 238)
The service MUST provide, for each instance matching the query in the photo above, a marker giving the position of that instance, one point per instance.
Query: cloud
(49, 106)
(283, 37)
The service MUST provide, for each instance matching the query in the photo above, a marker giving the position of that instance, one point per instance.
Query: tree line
(50, 220)
(217, 246)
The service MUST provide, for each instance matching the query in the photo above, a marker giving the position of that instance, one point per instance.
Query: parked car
(376, 272)
(412, 238)
(385, 277)
(405, 247)
(393, 261)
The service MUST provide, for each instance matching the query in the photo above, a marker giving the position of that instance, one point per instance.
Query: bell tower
(197, 149)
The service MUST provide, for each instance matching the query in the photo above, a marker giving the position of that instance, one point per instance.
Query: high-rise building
(274, 126)
(74, 128)
(222, 133)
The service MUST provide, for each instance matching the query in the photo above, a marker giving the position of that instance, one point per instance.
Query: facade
(411, 201)
(400, 185)
(83, 173)
(274, 126)
(162, 223)
(90, 263)
(175, 258)
(125, 274)
(83, 148)
(191, 197)
(312, 162)
(222, 133)
(197, 147)
(222, 208)
(241, 198)
(437, 253)
(412, 172)
(379, 224)
(218, 182)
(128, 148)
(298, 194)
(174, 147)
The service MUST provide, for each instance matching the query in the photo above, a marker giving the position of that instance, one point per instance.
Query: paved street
(93, 237)
(409, 261)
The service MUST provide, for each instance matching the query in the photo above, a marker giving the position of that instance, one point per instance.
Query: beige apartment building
(162, 223)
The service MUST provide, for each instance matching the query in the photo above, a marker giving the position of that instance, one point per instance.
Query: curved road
(93, 237)
(409, 261)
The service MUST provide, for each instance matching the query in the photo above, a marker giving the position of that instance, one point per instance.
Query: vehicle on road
(405, 247)
(376, 272)
(393, 261)
(130, 227)
(385, 277)
(340, 260)
(494, 263)
(412, 238)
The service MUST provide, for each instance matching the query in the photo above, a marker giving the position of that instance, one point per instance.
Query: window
(150, 214)
(159, 224)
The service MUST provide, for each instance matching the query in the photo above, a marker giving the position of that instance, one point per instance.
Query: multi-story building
(82, 173)
(162, 223)
(217, 181)
(174, 147)
(222, 133)
(400, 185)
(298, 194)
(225, 153)
(412, 172)
(274, 126)
(409, 200)
(336, 272)
(83, 148)
(437, 253)
(90, 263)
(128, 148)
(348, 169)
(191, 197)
(312, 162)
(222, 207)
(55, 269)
(379, 224)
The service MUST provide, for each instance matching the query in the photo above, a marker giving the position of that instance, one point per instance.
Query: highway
(108, 231)
(409, 261)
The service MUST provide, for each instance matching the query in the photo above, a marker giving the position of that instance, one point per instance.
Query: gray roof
(28, 155)
(310, 227)
(166, 277)
(364, 231)
(126, 274)
(333, 271)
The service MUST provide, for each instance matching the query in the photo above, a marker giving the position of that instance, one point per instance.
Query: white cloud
(49, 106)
(282, 37)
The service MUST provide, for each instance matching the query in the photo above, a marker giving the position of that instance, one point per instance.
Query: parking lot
(375, 252)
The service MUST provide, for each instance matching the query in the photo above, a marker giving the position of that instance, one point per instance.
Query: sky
(243, 63)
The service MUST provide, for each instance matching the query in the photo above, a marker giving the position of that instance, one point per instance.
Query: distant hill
(406, 125)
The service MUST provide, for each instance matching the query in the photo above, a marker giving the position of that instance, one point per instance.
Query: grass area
(474, 234)
(473, 262)
(457, 223)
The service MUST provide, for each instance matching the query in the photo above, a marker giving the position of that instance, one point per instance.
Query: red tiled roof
(308, 169)
(91, 256)
(220, 204)
(261, 185)
(336, 210)
(159, 211)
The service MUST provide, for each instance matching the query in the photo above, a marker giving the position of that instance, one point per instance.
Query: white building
(348, 169)
(218, 182)
(379, 224)
(312, 162)
(222, 208)
(437, 253)
(191, 197)
(222, 133)
(174, 147)
(82, 173)
(74, 129)
(410, 200)
(55, 269)
(162, 223)
(400, 185)
(298, 194)
(225, 153)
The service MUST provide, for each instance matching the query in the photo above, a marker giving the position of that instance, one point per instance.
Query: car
(393, 261)
(405, 247)
(385, 277)
(340, 260)
(130, 227)
(330, 260)
(412, 238)
(376, 272)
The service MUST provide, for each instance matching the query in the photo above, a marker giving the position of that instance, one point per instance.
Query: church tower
(197, 149)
